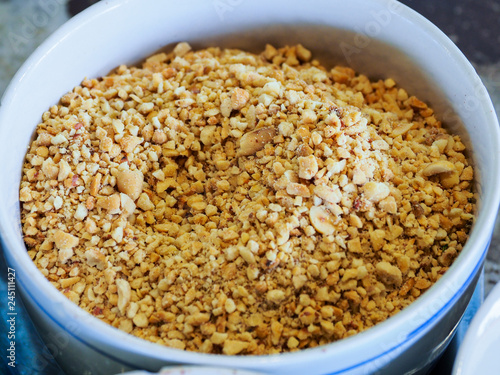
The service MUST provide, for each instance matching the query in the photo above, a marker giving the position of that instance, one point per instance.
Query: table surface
(472, 25)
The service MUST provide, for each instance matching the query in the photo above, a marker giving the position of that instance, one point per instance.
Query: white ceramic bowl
(478, 353)
(380, 38)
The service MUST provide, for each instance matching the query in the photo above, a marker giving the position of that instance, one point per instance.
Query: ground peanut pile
(226, 202)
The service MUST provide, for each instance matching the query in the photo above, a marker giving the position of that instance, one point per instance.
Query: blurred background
(474, 26)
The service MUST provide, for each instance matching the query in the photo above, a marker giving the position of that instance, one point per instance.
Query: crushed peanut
(226, 202)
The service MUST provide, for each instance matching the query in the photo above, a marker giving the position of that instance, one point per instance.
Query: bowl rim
(120, 339)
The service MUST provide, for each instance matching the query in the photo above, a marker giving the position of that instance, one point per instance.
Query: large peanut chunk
(219, 338)
(25, 194)
(375, 191)
(50, 169)
(440, 166)
(321, 220)
(300, 190)
(377, 238)
(111, 203)
(124, 294)
(449, 180)
(181, 49)
(129, 143)
(64, 170)
(232, 347)
(308, 167)
(198, 319)
(255, 140)
(388, 205)
(239, 98)
(95, 258)
(303, 53)
(328, 194)
(127, 204)
(95, 184)
(354, 245)
(44, 139)
(207, 135)
(145, 203)
(130, 183)
(276, 296)
(65, 242)
(308, 315)
(389, 274)
(401, 129)
(247, 255)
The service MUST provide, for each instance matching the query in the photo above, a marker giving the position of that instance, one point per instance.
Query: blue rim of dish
(410, 336)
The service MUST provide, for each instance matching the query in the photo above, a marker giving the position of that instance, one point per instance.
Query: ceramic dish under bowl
(379, 38)
(478, 353)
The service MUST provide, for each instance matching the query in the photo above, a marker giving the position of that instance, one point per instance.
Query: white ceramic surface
(380, 38)
(479, 352)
